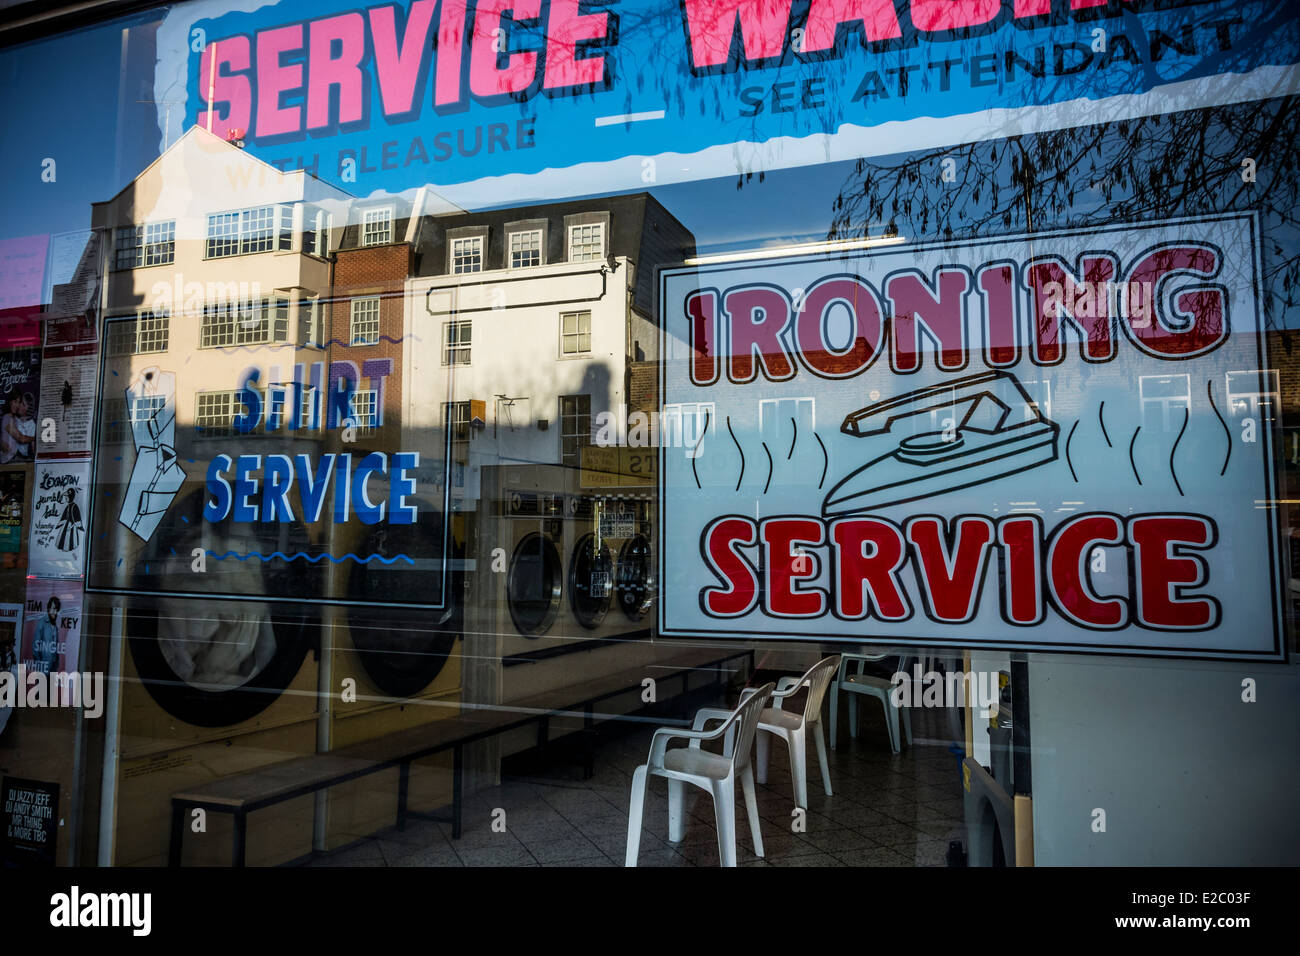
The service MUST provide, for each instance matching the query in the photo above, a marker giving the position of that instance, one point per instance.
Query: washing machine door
(636, 584)
(403, 650)
(534, 584)
(211, 661)
(591, 581)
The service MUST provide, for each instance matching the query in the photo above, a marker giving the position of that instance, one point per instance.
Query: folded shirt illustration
(157, 475)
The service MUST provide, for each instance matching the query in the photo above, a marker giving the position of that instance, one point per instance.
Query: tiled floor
(887, 811)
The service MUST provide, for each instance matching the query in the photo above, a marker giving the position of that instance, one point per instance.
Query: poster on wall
(68, 398)
(58, 537)
(11, 635)
(51, 626)
(13, 505)
(29, 815)
(20, 390)
(1050, 444)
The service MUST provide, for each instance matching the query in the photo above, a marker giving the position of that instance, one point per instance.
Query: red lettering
(399, 72)
(343, 72)
(1162, 572)
(1201, 324)
(274, 79)
(782, 596)
(879, 21)
(565, 28)
(451, 52)
(997, 285)
(740, 593)
(1059, 298)
(764, 25)
(942, 318)
(1022, 579)
(934, 16)
(756, 317)
(702, 310)
(1068, 578)
(867, 326)
(866, 581)
(485, 77)
(950, 580)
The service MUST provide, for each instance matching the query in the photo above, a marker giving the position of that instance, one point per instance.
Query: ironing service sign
(1050, 442)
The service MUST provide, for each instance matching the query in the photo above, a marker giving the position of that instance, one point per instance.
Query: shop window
(377, 226)
(467, 255)
(575, 427)
(364, 327)
(456, 341)
(587, 242)
(151, 244)
(525, 249)
(534, 587)
(575, 333)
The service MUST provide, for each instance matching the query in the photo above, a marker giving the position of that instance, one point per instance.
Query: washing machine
(579, 563)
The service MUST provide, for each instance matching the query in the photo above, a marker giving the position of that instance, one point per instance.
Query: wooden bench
(243, 793)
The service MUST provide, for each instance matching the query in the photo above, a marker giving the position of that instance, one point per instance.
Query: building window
(241, 232)
(153, 244)
(115, 424)
(1165, 401)
(587, 243)
(146, 332)
(575, 427)
(248, 323)
(377, 227)
(365, 321)
(310, 324)
(682, 425)
(214, 414)
(525, 249)
(285, 242)
(364, 403)
(456, 416)
(467, 255)
(315, 231)
(456, 338)
(575, 333)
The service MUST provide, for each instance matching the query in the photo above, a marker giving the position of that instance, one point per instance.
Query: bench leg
(241, 840)
(457, 775)
(178, 834)
(403, 788)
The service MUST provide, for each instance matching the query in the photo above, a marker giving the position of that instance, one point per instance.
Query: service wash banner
(1050, 442)
(499, 101)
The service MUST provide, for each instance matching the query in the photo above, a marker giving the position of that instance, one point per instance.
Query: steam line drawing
(1187, 416)
(793, 438)
(739, 449)
(1101, 420)
(767, 484)
(1132, 464)
(695, 452)
(1227, 432)
(1068, 461)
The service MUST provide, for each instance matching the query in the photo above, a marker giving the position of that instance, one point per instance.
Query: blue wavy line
(276, 346)
(312, 559)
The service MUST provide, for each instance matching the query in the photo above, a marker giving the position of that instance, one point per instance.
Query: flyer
(20, 387)
(58, 536)
(68, 398)
(51, 638)
(11, 632)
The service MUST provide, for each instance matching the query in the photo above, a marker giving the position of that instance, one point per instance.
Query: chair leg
(891, 722)
(853, 716)
(724, 810)
(820, 738)
(751, 807)
(835, 712)
(634, 811)
(676, 818)
(907, 724)
(799, 766)
(764, 741)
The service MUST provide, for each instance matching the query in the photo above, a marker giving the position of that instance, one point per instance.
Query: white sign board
(1050, 442)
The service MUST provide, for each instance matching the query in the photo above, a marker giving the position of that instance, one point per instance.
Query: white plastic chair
(791, 727)
(709, 771)
(860, 684)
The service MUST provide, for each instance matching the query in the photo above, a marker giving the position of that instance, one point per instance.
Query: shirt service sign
(1049, 442)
